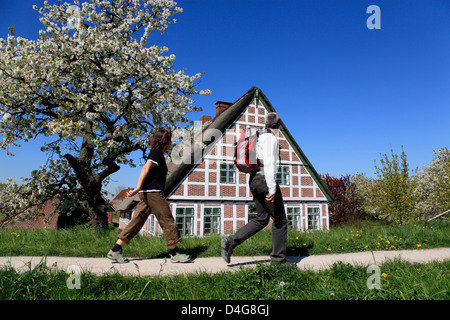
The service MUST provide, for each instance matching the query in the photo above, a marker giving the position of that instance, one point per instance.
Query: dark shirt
(156, 178)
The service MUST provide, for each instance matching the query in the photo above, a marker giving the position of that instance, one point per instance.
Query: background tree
(394, 192)
(346, 207)
(92, 86)
(434, 185)
(363, 189)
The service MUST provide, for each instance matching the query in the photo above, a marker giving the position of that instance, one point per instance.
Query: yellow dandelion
(296, 238)
(418, 269)
(346, 239)
(388, 242)
(384, 275)
(419, 245)
(329, 249)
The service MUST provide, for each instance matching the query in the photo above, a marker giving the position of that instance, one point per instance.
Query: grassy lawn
(80, 242)
(398, 280)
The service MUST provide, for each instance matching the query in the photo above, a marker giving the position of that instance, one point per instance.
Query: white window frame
(188, 220)
(314, 214)
(294, 217)
(215, 222)
(230, 173)
(283, 175)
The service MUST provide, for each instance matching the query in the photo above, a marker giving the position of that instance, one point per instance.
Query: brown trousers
(156, 203)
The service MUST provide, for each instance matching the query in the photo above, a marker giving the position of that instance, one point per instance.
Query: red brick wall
(196, 190)
(48, 219)
(228, 227)
(228, 191)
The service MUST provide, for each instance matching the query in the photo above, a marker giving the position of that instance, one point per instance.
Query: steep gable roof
(225, 120)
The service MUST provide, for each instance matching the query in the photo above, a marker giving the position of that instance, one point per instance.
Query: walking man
(268, 199)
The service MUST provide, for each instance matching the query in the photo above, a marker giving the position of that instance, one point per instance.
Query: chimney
(221, 107)
(204, 119)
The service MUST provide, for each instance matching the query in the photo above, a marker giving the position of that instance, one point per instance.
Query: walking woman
(150, 187)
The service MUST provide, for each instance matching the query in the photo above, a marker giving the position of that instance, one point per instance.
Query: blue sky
(345, 92)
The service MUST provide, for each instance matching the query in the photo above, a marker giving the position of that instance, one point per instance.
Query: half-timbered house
(207, 194)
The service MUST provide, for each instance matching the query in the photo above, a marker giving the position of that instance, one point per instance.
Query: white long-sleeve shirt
(267, 151)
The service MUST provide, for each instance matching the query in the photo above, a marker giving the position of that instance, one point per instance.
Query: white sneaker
(117, 256)
(180, 258)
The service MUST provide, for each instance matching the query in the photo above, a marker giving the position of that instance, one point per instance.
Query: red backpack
(245, 151)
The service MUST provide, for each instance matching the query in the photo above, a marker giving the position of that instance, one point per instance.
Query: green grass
(80, 242)
(372, 236)
(399, 281)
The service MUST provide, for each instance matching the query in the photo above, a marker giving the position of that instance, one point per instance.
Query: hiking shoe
(226, 250)
(180, 258)
(116, 256)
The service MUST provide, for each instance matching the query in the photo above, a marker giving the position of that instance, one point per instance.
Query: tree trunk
(89, 196)
(90, 199)
(98, 213)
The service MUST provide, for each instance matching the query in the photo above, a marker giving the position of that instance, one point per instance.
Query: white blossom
(89, 76)
(434, 185)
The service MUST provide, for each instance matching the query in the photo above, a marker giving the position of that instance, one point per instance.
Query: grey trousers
(265, 211)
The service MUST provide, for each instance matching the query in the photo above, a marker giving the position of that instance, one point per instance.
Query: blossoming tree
(434, 185)
(94, 87)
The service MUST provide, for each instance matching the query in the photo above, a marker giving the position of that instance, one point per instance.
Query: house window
(294, 218)
(251, 213)
(125, 216)
(185, 221)
(212, 220)
(314, 218)
(283, 175)
(227, 173)
(152, 223)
